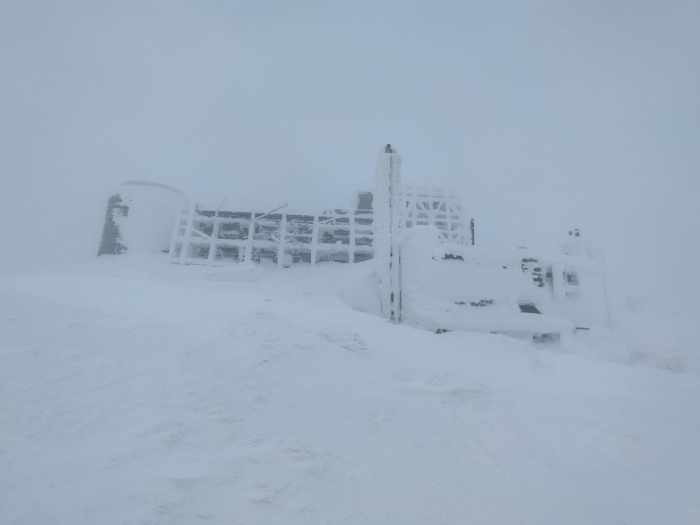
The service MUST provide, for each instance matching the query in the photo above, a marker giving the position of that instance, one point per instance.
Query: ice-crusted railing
(220, 238)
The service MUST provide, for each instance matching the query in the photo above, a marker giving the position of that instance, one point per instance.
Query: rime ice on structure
(387, 217)
(424, 206)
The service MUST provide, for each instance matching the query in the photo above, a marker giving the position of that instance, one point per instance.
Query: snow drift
(133, 392)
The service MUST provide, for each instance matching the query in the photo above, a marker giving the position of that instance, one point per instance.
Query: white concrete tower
(387, 217)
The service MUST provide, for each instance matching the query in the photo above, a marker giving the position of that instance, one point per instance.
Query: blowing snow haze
(545, 115)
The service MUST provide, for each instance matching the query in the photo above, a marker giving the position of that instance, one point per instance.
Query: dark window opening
(529, 309)
(571, 278)
(364, 201)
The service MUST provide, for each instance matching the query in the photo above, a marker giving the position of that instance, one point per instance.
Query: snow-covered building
(521, 293)
(429, 272)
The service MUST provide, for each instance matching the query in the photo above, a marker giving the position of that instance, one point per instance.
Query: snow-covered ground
(136, 392)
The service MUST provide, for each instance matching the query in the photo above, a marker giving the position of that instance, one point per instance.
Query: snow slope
(135, 392)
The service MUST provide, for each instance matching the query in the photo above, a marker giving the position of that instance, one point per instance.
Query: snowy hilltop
(133, 391)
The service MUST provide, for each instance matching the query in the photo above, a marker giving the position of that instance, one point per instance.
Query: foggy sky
(545, 115)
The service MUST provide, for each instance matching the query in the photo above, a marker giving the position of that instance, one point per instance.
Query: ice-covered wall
(387, 217)
(470, 288)
(140, 218)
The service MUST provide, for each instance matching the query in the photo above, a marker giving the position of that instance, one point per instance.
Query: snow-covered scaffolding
(423, 206)
(220, 238)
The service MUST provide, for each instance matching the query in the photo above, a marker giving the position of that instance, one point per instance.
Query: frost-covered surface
(469, 288)
(137, 392)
